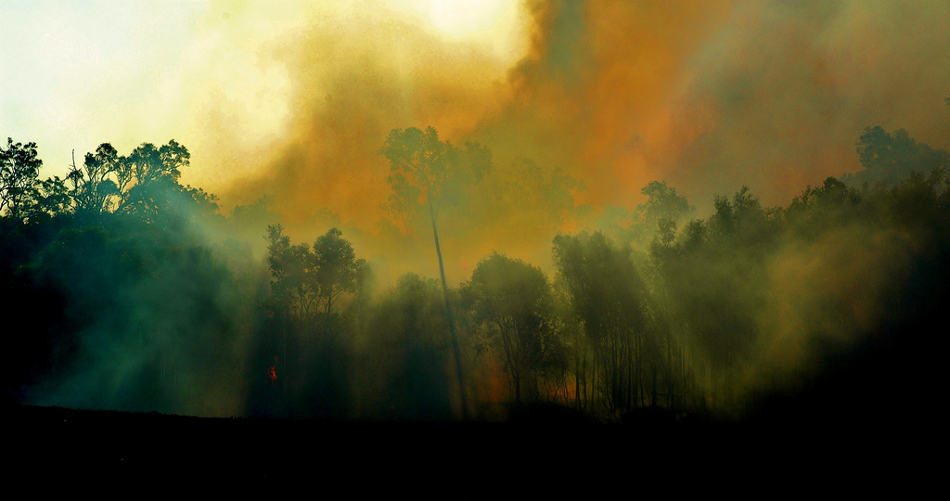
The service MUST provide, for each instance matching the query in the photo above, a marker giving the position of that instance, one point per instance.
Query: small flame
(272, 372)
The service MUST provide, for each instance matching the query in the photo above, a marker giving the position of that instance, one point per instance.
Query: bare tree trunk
(669, 370)
(448, 317)
(654, 390)
(577, 376)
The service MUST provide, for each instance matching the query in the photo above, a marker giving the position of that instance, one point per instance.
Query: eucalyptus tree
(609, 297)
(23, 195)
(96, 186)
(426, 172)
(307, 280)
(514, 300)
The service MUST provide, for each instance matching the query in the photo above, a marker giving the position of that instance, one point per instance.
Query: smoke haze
(713, 290)
(607, 97)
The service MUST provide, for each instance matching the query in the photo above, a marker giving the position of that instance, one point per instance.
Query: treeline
(112, 297)
(116, 297)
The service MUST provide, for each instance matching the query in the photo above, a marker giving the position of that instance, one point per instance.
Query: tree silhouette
(92, 186)
(424, 170)
(304, 277)
(663, 211)
(611, 299)
(336, 268)
(23, 195)
(407, 364)
(19, 170)
(292, 270)
(890, 157)
(144, 184)
(151, 175)
(515, 301)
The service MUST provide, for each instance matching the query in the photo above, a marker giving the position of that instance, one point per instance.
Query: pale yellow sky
(210, 74)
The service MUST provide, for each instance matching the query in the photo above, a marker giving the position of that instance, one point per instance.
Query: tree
(52, 197)
(819, 208)
(92, 189)
(660, 216)
(743, 215)
(23, 195)
(292, 273)
(305, 278)
(609, 297)
(306, 284)
(713, 281)
(423, 170)
(150, 177)
(887, 158)
(514, 300)
(19, 173)
(663, 206)
(336, 269)
(144, 184)
(653, 222)
(426, 171)
(406, 367)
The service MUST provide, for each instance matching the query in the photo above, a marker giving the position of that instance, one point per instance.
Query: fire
(272, 372)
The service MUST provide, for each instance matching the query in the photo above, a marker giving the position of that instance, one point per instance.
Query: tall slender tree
(424, 170)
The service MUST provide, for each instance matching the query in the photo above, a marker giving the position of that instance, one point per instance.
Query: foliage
(514, 301)
(424, 169)
(888, 158)
(23, 195)
(305, 277)
(118, 298)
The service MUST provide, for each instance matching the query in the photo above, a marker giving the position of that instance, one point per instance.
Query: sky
(582, 103)
(210, 73)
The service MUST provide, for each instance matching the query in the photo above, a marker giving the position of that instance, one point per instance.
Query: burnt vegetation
(126, 290)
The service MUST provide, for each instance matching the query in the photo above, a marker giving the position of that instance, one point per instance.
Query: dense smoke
(608, 97)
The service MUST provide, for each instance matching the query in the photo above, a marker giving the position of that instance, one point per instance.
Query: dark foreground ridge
(53, 436)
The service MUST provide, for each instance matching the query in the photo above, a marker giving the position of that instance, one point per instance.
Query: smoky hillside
(125, 289)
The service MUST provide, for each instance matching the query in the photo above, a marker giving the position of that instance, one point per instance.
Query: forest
(126, 290)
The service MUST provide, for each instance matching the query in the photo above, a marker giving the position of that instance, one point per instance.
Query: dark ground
(50, 435)
(555, 440)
